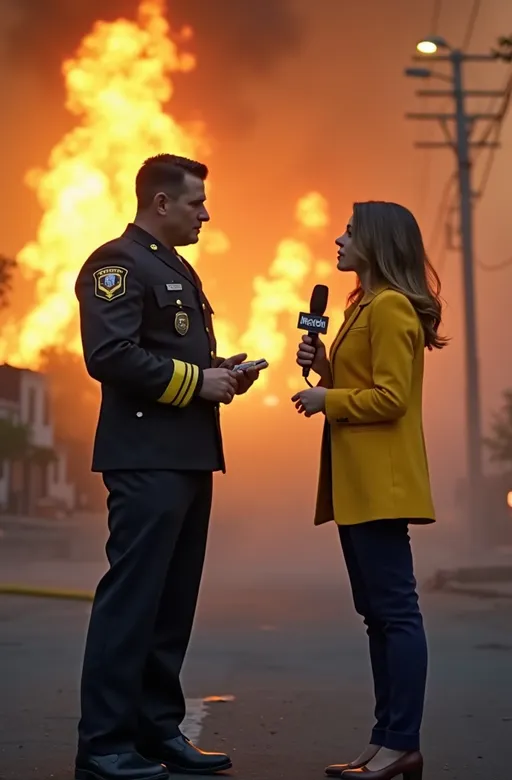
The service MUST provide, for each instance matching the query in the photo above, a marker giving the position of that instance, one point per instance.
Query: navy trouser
(380, 567)
(144, 608)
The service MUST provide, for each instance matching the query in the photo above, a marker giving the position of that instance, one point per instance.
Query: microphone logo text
(313, 323)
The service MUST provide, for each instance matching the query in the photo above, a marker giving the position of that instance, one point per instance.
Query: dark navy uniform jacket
(147, 336)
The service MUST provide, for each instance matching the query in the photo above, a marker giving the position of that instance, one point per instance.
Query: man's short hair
(165, 173)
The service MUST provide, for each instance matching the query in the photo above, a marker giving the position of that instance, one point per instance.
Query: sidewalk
(490, 577)
(60, 577)
(69, 560)
(41, 555)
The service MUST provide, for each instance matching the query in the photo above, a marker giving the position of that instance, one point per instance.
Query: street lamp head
(418, 73)
(431, 44)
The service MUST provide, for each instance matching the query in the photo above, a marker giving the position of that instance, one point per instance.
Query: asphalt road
(294, 659)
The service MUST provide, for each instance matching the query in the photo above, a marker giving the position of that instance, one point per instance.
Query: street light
(431, 44)
(418, 73)
(427, 73)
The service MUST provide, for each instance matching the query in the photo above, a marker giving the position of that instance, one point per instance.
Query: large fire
(120, 87)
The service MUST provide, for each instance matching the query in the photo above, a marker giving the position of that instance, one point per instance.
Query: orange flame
(119, 85)
(313, 210)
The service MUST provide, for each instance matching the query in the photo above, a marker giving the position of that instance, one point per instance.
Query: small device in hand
(250, 364)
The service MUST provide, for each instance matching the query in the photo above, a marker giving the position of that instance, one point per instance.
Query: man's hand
(311, 401)
(244, 379)
(233, 361)
(219, 385)
(247, 378)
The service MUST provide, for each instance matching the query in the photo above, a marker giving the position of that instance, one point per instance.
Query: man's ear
(161, 201)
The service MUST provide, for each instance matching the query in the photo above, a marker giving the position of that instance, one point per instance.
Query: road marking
(193, 722)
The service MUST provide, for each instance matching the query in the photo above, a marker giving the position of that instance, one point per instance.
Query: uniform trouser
(380, 567)
(144, 609)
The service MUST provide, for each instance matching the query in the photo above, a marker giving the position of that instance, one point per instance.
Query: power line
(500, 114)
(473, 17)
(496, 266)
(425, 173)
(490, 162)
(497, 126)
(436, 15)
(493, 133)
(441, 260)
(442, 208)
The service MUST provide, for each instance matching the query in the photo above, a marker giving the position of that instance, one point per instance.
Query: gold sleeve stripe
(187, 392)
(182, 385)
(174, 386)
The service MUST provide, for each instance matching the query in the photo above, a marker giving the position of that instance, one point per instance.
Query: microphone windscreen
(319, 298)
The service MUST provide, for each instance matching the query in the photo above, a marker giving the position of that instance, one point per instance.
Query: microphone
(314, 321)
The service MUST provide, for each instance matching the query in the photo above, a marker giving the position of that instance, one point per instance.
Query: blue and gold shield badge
(110, 283)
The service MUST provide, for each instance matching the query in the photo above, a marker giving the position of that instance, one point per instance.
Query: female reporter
(374, 479)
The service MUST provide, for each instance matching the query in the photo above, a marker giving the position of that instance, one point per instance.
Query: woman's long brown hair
(387, 240)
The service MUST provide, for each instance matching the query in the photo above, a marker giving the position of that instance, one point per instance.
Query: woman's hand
(311, 401)
(313, 357)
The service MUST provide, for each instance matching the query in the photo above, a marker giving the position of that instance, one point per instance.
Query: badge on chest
(181, 323)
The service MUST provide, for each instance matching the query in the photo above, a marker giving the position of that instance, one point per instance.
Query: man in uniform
(148, 338)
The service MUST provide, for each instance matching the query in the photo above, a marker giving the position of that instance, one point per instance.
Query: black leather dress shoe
(181, 755)
(119, 766)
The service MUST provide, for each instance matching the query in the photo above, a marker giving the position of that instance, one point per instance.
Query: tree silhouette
(14, 440)
(15, 444)
(504, 50)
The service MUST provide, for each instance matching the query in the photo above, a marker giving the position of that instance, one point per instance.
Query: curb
(479, 593)
(7, 589)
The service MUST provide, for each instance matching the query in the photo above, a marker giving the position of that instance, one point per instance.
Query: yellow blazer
(373, 462)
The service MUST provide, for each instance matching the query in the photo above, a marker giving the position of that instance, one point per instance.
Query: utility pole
(460, 139)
